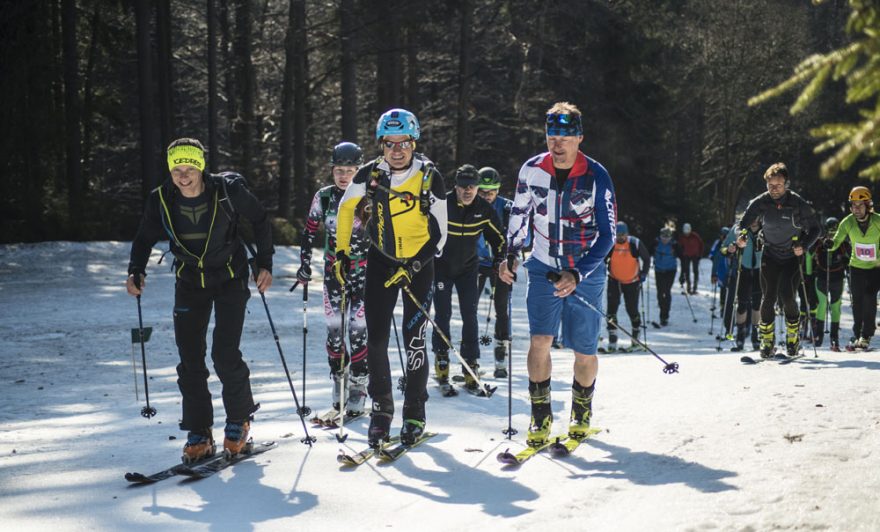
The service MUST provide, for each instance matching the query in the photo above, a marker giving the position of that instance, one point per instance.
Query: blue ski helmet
(347, 154)
(398, 122)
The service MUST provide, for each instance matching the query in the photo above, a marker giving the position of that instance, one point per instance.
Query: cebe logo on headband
(185, 154)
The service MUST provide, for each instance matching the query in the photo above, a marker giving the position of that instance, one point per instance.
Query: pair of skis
(203, 468)
(559, 447)
(330, 419)
(783, 359)
(389, 452)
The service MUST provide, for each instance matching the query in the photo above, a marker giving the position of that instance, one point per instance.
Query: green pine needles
(859, 64)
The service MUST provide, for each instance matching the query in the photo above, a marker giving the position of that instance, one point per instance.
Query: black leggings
(379, 307)
(780, 280)
(502, 294)
(665, 280)
(630, 301)
(864, 285)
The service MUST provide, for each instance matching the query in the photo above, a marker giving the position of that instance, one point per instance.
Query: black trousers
(465, 283)
(501, 301)
(664, 280)
(864, 285)
(192, 313)
(379, 307)
(689, 264)
(780, 281)
(630, 300)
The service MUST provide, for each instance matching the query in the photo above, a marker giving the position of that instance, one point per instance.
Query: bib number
(866, 252)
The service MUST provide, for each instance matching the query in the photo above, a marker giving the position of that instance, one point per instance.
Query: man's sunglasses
(403, 144)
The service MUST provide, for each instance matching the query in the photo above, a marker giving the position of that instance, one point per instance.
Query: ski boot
(236, 439)
(469, 382)
(768, 339)
(862, 344)
(337, 387)
(612, 343)
(441, 367)
(581, 410)
(501, 347)
(357, 395)
(835, 337)
(756, 342)
(819, 333)
(740, 337)
(542, 413)
(380, 420)
(792, 338)
(199, 445)
(413, 423)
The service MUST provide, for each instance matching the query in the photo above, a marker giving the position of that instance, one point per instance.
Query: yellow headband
(186, 154)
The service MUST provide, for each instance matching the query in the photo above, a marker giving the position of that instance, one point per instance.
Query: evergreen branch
(846, 156)
(812, 90)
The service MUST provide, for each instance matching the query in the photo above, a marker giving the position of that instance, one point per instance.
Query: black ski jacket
(783, 220)
(465, 224)
(224, 256)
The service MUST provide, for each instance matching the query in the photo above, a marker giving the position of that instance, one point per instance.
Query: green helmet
(489, 179)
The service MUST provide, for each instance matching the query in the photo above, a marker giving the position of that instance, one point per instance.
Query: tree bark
(71, 114)
(165, 72)
(212, 87)
(229, 81)
(287, 103)
(244, 125)
(463, 138)
(348, 83)
(149, 168)
(389, 67)
(302, 185)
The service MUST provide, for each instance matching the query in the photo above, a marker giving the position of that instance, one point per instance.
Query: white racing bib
(866, 252)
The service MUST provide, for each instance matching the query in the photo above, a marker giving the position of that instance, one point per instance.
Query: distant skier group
(390, 228)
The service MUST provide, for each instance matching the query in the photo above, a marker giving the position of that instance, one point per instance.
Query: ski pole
(305, 410)
(827, 289)
(644, 314)
(509, 431)
(401, 382)
(341, 436)
(806, 301)
(147, 411)
(712, 322)
(485, 339)
(487, 390)
(688, 299)
(308, 440)
(734, 309)
(669, 368)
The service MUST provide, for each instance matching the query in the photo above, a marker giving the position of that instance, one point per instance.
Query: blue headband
(564, 125)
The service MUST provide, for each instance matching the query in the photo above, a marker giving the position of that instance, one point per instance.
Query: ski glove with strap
(304, 273)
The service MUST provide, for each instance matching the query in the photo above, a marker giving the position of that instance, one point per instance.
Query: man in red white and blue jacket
(570, 198)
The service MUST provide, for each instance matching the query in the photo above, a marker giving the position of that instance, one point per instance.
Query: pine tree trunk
(287, 103)
(165, 73)
(348, 84)
(463, 140)
(302, 185)
(229, 81)
(149, 168)
(213, 149)
(246, 80)
(71, 114)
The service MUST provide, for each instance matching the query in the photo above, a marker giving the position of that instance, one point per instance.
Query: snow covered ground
(718, 446)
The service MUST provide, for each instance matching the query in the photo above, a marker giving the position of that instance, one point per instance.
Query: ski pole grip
(136, 278)
(553, 277)
(511, 266)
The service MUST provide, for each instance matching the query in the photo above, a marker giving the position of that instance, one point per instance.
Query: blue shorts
(580, 323)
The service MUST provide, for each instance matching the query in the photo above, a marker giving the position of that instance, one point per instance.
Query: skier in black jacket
(198, 213)
(468, 217)
(789, 227)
